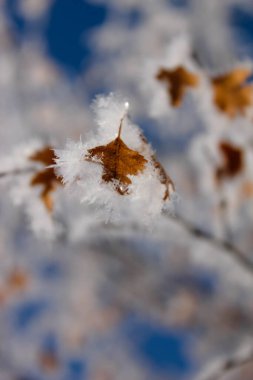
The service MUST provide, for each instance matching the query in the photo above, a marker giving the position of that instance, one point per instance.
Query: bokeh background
(122, 306)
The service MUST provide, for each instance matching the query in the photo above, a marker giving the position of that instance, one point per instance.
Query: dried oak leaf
(178, 81)
(232, 95)
(118, 163)
(45, 177)
(233, 161)
(48, 361)
(17, 280)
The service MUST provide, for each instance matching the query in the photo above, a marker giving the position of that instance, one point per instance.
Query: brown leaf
(231, 93)
(247, 189)
(178, 81)
(46, 177)
(118, 162)
(3, 296)
(233, 161)
(48, 361)
(17, 280)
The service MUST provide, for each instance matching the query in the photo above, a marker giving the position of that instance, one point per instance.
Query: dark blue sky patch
(27, 313)
(242, 21)
(203, 283)
(66, 34)
(75, 369)
(162, 349)
(134, 18)
(51, 270)
(18, 22)
(50, 343)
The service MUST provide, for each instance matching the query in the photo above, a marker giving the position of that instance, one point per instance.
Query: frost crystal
(116, 157)
(30, 184)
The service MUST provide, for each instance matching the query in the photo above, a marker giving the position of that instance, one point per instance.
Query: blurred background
(97, 304)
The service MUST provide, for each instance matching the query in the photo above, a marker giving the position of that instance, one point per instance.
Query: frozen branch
(221, 244)
(245, 262)
(218, 370)
(16, 172)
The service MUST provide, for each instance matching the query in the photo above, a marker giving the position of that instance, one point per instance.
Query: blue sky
(65, 33)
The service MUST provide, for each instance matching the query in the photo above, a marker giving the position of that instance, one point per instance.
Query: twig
(195, 231)
(198, 233)
(228, 365)
(16, 172)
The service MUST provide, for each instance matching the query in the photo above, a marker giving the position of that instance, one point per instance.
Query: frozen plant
(31, 181)
(115, 168)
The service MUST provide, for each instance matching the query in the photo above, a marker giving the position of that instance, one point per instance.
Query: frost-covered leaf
(116, 160)
(233, 161)
(17, 280)
(178, 81)
(232, 95)
(45, 177)
(118, 163)
(48, 361)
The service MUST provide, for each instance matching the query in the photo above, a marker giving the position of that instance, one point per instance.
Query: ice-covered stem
(237, 255)
(221, 369)
(122, 119)
(224, 246)
(14, 172)
(241, 258)
(119, 135)
(193, 230)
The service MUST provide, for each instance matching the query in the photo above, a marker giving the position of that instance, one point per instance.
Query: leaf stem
(121, 122)
(17, 172)
(118, 140)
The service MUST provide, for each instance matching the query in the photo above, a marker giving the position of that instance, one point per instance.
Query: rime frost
(18, 170)
(144, 201)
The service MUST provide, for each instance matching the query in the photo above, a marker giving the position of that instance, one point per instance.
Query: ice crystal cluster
(132, 187)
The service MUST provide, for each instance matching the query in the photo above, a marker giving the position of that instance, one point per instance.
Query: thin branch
(240, 257)
(198, 233)
(17, 172)
(233, 252)
(227, 365)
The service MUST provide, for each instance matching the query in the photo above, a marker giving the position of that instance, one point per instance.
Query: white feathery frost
(144, 200)
(18, 170)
